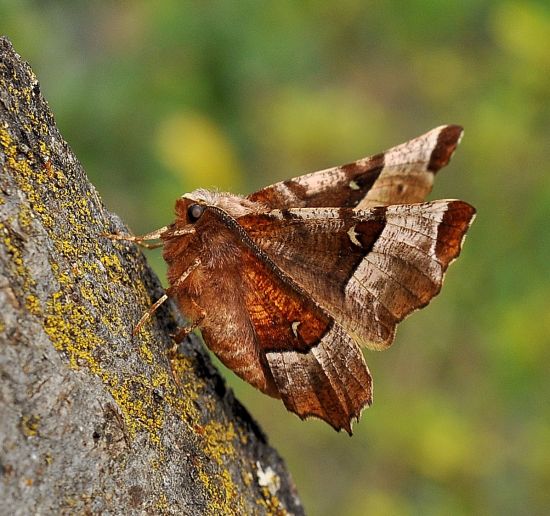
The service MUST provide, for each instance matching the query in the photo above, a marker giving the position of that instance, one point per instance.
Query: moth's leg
(188, 328)
(182, 333)
(186, 274)
(141, 240)
(179, 337)
(147, 315)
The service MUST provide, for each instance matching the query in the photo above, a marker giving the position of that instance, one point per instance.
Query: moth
(288, 283)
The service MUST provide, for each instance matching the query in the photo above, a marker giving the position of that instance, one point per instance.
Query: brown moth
(288, 283)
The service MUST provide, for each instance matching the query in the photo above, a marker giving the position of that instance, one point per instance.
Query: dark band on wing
(451, 230)
(447, 141)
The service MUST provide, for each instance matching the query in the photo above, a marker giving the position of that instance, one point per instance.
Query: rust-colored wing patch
(283, 317)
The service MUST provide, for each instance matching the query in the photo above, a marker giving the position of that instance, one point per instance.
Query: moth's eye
(194, 212)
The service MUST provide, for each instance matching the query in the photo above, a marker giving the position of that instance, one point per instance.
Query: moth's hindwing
(401, 175)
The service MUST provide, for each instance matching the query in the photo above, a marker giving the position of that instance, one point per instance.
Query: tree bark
(94, 420)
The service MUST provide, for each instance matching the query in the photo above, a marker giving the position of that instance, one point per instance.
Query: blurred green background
(157, 98)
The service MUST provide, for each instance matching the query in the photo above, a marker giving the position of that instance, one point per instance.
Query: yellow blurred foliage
(523, 331)
(444, 446)
(196, 150)
(311, 128)
(523, 28)
(375, 501)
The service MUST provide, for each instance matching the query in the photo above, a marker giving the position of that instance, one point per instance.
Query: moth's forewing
(368, 268)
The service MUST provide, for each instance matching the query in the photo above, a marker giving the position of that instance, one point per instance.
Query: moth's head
(191, 206)
(189, 211)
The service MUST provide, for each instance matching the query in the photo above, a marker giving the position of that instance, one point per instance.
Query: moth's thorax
(213, 237)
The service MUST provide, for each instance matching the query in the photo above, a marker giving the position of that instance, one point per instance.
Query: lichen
(134, 396)
(161, 505)
(25, 217)
(69, 326)
(32, 304)
(29, 285)
(271, 503)
(114, 267)
(30, 424)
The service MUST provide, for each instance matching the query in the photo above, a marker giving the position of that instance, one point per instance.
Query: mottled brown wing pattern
(270, 332)
(331, 381)
(402, 174)
(368, 268)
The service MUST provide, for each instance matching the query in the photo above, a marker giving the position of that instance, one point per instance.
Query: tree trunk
(94, 420)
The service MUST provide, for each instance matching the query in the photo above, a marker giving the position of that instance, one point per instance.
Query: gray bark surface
(92, 419)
